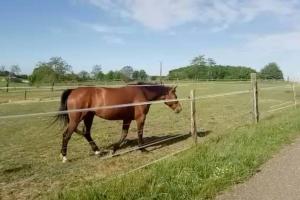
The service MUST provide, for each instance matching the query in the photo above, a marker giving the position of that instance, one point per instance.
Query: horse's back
(92, 97)
(122, 95)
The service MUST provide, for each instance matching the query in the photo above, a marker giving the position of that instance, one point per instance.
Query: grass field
(30, 166)
(201, 172)
(25, 91)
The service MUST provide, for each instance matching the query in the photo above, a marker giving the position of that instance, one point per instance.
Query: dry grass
(30, 166)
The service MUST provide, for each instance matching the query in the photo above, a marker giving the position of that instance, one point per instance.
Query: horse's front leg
(140, 126)
(88, 121)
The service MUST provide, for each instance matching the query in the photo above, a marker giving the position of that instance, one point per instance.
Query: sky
(141, 33)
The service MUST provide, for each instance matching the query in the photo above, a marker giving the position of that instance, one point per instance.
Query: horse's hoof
(112, 152)
(144, 150)
(64, 158)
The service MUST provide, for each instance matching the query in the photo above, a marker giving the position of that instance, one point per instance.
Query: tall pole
(7, 82)
(7, 85)
(52, 86)
(160, 73)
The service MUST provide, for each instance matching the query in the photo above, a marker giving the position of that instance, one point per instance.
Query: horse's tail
(63, 117)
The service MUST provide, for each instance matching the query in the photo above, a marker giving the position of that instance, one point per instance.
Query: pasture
(30, 166)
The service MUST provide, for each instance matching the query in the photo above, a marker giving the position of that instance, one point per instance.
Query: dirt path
(279, 179)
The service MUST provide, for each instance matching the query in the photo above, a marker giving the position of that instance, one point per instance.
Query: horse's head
(171, 100)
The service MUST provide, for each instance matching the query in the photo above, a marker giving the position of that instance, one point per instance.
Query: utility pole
(160, 73)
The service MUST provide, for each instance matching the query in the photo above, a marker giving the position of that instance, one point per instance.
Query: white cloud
(258, 50)
(111, 39)
(106, 29)
(104, 4)
(55, 30)
(161, 15)
(108, 33)
(165, 14)
(271, 46)
(275, 43)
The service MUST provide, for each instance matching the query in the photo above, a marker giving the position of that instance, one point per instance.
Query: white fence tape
(131, 104)
(91, 109)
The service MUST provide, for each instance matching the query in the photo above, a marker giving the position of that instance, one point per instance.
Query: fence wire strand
(278, 107)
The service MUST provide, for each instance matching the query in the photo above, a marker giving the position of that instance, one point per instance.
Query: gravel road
(279, 179)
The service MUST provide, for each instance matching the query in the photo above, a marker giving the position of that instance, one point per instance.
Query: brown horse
(92, 97)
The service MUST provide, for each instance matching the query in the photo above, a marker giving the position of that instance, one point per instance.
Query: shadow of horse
(159, 141)
(203, 133)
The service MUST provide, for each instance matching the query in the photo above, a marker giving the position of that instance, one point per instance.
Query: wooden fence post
(255, 98)
(52, 86)
(25, 94)
(193, 117)
(295, 94)
(7, 85)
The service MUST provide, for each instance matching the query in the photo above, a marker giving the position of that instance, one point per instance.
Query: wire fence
(39, 93)
(15, 94)
(30, 150)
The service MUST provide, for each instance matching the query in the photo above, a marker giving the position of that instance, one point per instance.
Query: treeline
(12, 73)
(58, 70)
(211, 72)
(202, 68)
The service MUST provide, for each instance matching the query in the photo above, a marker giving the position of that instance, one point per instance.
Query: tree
(15, 69)
(199, 60)
(43, 73)
(153, 78)
(83, 75)
(71, 77)
(136, 75)
(97, 72)
(3, 71)
(215, 72)
(56, 66)
(143, 75)
(126, 73)
(60, 66)
(110, 75)
(271, 71)
(2, 68)
(117, 75)
(211, 62)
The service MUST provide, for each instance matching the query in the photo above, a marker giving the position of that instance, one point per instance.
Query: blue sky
(141, 33)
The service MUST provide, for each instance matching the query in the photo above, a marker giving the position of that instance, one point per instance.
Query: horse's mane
(144, 83)
(151, 87)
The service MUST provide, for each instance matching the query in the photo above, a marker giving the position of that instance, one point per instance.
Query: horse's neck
(154, 93)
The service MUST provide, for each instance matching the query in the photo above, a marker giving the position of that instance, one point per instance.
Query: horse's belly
(116, 113)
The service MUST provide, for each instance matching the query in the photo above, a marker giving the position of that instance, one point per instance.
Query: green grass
(29, 161)
(16, 91)
(201, 172)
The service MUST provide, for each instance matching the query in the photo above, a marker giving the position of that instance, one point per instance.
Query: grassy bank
(36, 169)
(201, 172)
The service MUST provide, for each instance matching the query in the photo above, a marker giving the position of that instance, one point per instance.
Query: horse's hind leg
(140, 126)
(88, 121)
(125, 128)
(66, 137)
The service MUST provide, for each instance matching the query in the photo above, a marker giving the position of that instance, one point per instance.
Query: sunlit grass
(203, 171)
(29, 160)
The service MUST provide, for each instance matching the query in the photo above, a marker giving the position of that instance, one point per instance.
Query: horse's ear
(173, 88)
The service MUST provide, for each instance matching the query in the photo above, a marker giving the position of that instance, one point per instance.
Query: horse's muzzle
(178, 109)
